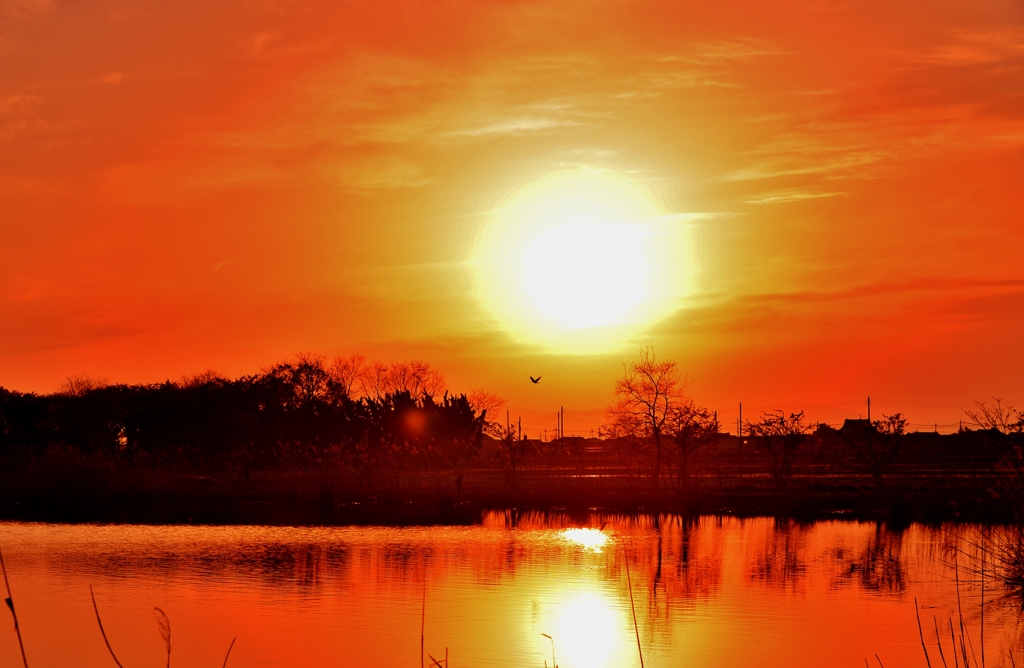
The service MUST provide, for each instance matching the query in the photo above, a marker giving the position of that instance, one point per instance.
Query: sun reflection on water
(587, 629)
(589, 539)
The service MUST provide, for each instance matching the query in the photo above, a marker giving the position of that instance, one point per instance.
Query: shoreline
(300, 498)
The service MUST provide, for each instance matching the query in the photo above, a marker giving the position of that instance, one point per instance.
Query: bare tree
(645, 398)
(1004, 419)
(484, 402)
(417, 378)
(200, 379)
(690, 427)
(80, 384)
(375, 380)
(378, 379)
(780, 437)
(347, 374)
(1009, 422)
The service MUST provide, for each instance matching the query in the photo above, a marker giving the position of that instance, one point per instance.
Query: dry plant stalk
(165, 631)
(229, 652)
(917, 612)
(554, 663)
(423, 619)
(632, 605)
(102, 632)
(10, 604)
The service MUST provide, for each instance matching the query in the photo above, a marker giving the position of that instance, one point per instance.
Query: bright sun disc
(581, 260)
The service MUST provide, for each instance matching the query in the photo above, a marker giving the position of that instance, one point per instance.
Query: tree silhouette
(690, 427)
(347, 374)
(780, 437)
(1007, 424)
(646, 397)
(81, 384)
(1004, 419)
(378, 379)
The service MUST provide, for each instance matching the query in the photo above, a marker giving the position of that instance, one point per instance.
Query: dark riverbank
(93, 491)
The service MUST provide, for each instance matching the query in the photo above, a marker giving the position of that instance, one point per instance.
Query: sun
(581, 260)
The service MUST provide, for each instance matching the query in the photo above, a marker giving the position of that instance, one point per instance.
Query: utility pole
(506, 419)
(869, 409)
(739, 429)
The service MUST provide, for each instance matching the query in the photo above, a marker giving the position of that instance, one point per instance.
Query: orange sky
(190, 185)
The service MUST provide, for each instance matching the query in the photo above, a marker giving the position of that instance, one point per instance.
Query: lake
(713, 591)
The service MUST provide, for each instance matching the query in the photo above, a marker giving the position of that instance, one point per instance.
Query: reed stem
(920, 633)
(982, 597)
(229, 651)
(102, 632)
(632, 605)
(938, 641)
(554, 663)
(423, 619)
(10, 604)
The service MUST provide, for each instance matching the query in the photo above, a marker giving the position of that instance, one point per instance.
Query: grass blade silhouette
(632, 606)
(920, 633)
(229, 652)
(952, 639)
(102, 632)
(938, 641)
(423, 619)
(10, 604)
(554, 663)
(983, 597)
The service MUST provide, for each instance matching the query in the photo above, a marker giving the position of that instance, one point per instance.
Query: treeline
(305, 413)
(665, 434)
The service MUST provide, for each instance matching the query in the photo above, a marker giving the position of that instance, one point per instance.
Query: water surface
(707, 592)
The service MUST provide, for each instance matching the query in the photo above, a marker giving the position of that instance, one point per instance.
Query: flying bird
(535, 380)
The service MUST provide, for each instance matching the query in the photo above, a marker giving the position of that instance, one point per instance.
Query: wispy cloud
(964, 48)
(935, 284)
(514, 126)
(383, 174)
(825, 160)
(790, 195)
(704, 52)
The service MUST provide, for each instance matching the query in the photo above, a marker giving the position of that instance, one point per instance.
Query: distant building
(858, 426)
